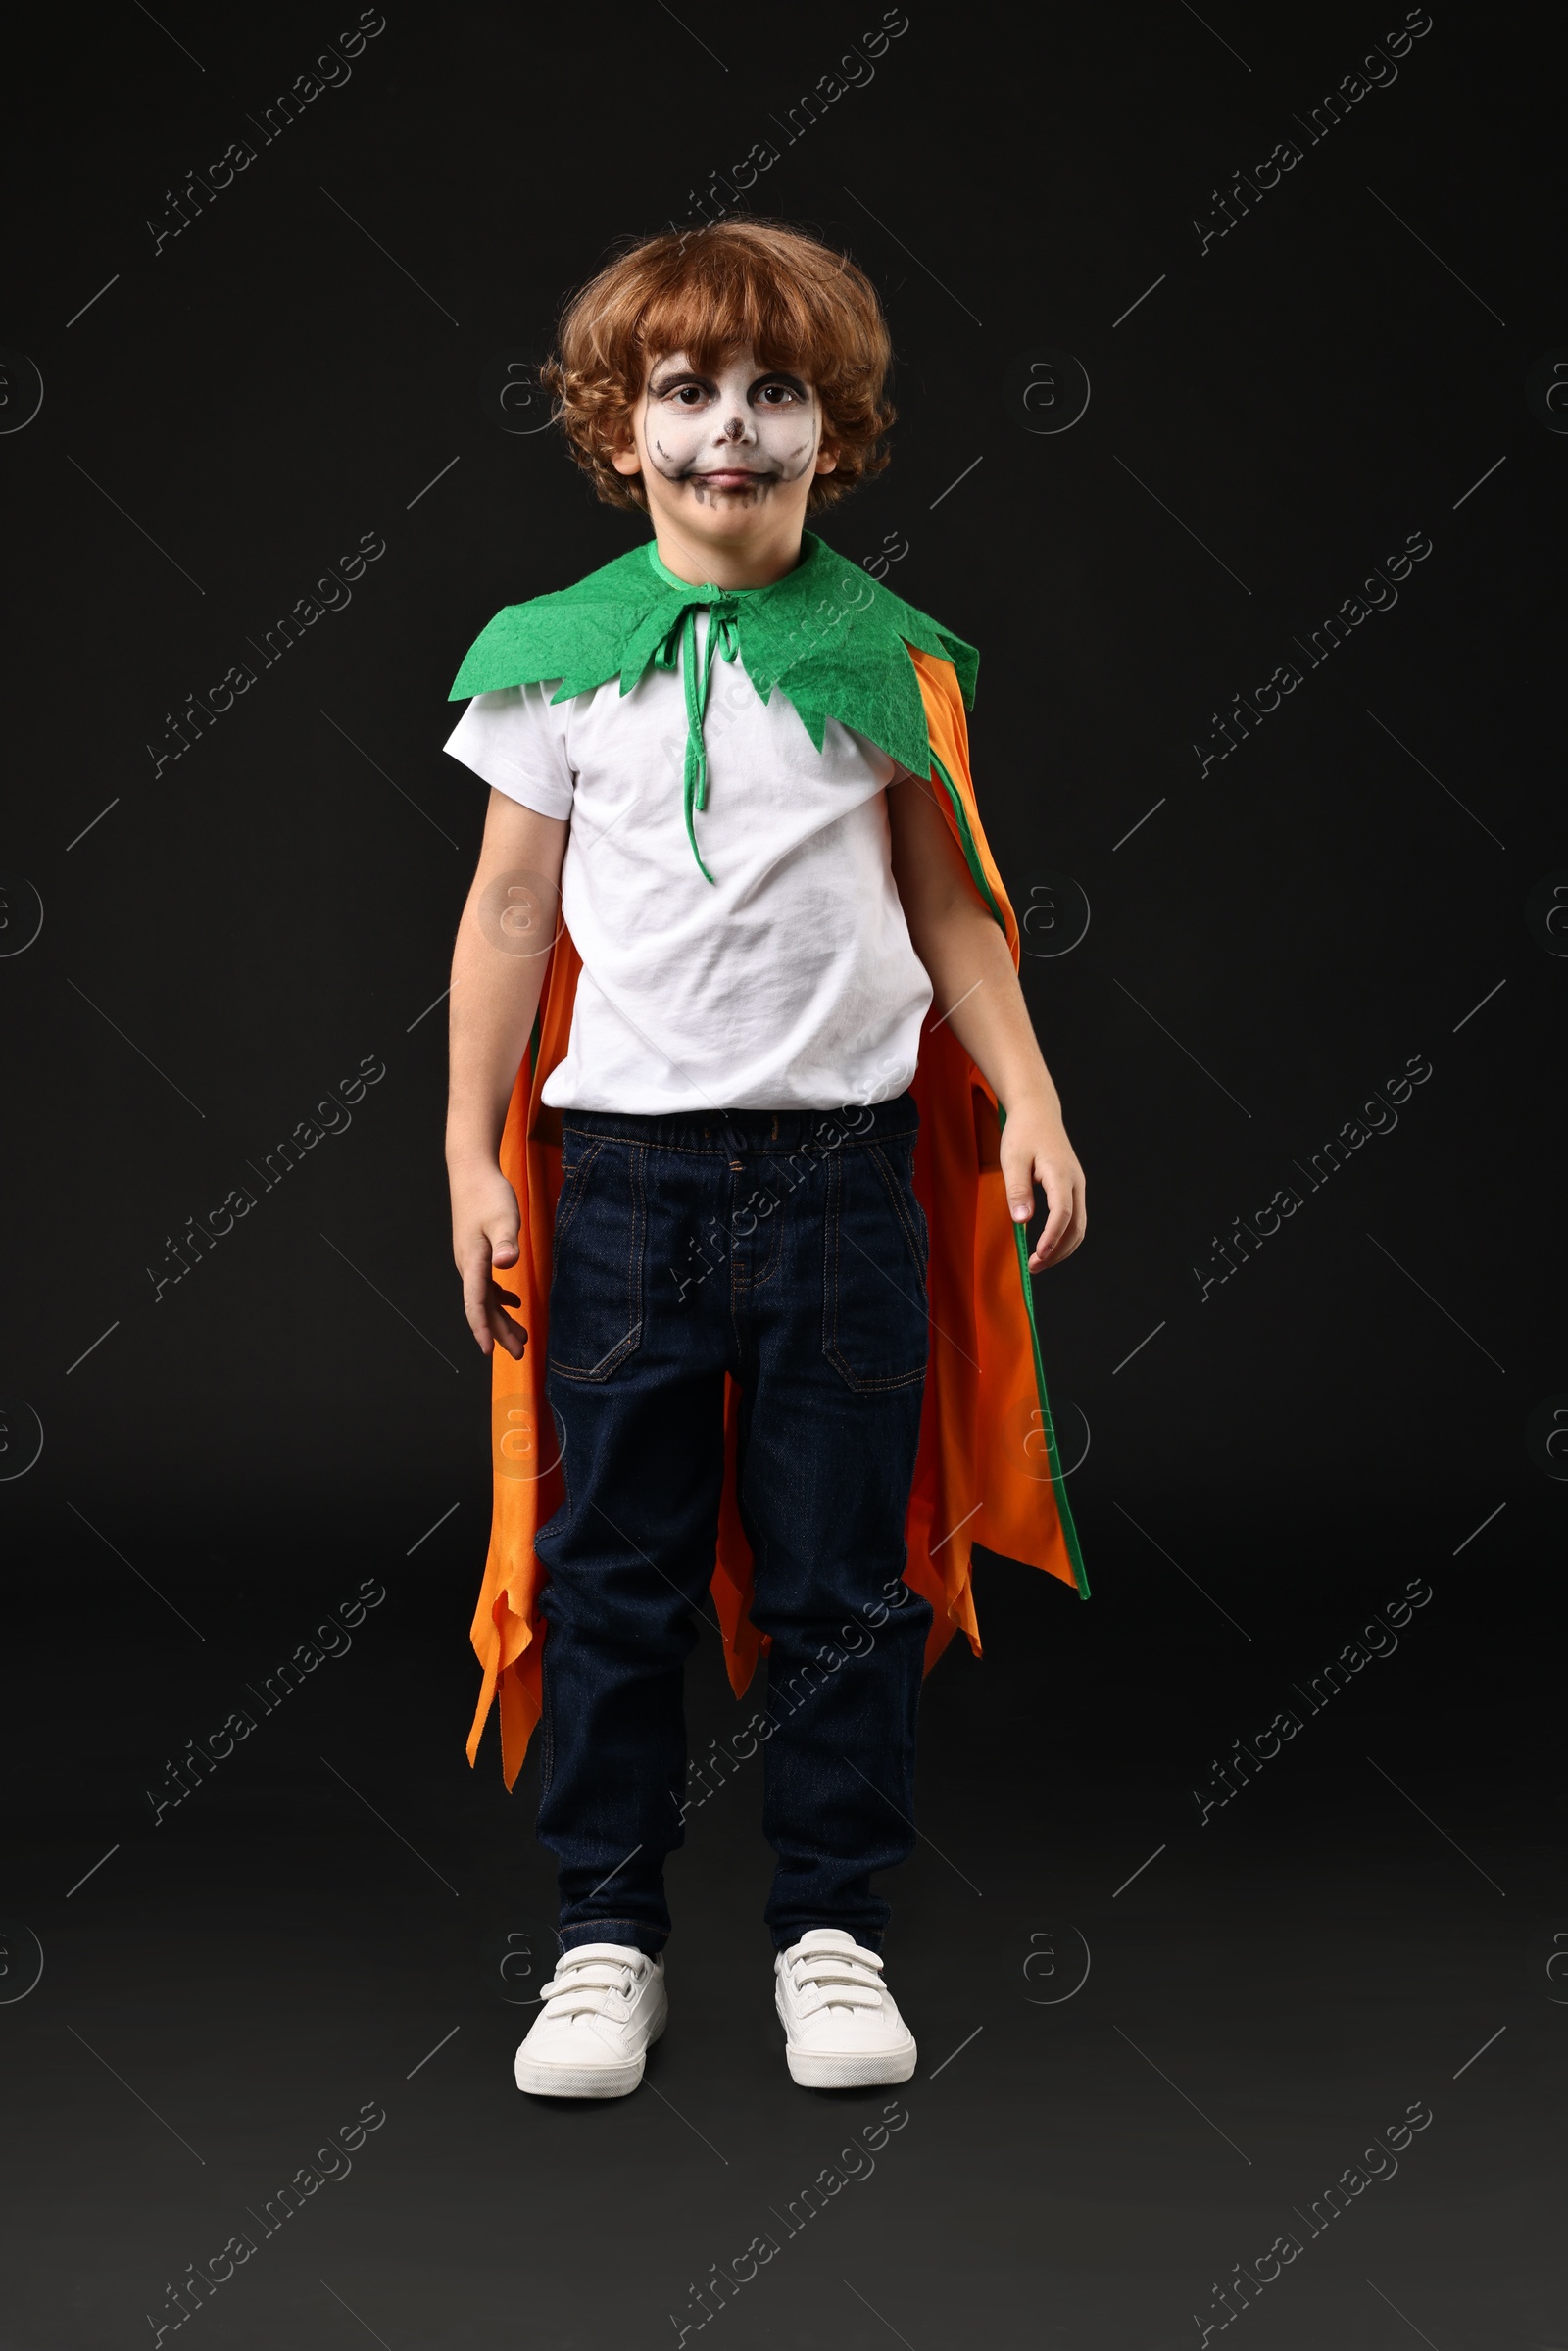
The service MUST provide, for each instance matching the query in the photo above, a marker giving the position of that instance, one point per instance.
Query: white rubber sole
(860, 2068)
(540, 2078)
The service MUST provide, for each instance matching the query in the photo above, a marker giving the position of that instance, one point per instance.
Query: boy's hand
(1035, 1149)
(484, 1241)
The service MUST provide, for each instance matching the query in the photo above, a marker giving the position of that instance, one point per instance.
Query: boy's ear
(622, 450)
(827, 458)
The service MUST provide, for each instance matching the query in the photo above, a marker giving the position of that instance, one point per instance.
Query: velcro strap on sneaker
(581, 1985)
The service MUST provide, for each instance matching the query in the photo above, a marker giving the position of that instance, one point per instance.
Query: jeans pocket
(875, 1329)
(596, 1294)
(569, 1196)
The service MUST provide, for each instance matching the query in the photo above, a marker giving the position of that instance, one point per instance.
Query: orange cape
(987, 1470)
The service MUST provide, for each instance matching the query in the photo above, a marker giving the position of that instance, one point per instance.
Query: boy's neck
(733, 564)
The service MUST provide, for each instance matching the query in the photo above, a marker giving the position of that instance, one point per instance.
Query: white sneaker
(842, 2029)
(601, 2008)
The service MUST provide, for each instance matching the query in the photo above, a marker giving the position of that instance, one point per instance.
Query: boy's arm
(498, 969)
(962, 945)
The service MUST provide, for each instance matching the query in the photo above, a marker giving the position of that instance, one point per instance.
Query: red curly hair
(732, 285)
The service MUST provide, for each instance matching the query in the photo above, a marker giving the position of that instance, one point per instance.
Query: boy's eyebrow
(666, 372)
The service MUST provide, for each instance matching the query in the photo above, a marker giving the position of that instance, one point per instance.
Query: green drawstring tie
(680, 646)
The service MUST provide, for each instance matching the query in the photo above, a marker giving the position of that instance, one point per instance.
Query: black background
(315, 357)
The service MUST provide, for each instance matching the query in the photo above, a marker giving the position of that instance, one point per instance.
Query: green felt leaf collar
(833, 638)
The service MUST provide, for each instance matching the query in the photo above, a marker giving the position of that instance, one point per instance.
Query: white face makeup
(732, 438)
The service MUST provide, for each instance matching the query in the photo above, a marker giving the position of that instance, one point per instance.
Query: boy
(734, 994)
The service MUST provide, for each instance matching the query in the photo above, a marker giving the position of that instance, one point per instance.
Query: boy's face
(727, 457)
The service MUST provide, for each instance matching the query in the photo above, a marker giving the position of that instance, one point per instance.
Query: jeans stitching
(639, 1926)
(860, 1383)
(636, 1249)
(750, 1282)
(547, 1744)
(895, 1189)
(576, 1176)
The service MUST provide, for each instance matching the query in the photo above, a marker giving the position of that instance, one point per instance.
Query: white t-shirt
(789, 980)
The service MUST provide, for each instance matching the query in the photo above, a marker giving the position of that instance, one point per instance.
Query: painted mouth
(730, 478)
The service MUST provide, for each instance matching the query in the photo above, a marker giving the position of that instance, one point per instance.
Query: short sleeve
(515, 740)
(883, 767)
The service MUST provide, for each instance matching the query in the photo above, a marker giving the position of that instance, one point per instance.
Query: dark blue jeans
(786, 1247)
